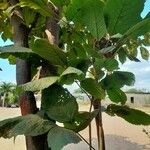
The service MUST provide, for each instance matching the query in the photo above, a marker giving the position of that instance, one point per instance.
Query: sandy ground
(119, 134)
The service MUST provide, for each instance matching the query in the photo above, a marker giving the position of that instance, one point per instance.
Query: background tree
(5, 90)
(134, 90)
(71, 42)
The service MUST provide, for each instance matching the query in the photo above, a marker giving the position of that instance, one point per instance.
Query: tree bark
(99, 125)
(52, 31)
(23, 75)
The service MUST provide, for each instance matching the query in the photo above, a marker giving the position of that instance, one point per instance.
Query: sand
(119, 135)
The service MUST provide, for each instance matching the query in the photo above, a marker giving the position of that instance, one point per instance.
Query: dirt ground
(119, 134)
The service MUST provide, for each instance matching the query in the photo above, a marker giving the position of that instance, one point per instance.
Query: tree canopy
(93, 38)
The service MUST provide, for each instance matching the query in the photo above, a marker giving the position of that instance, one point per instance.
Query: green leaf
(118, 79)
(14, 49)
(59, 104)
(7, 125)
(93, 52)
(12, 60)
(81, 121)
(132, 58)
(133, 116)
(138, 30)
(122, 56)
(111, 64)
(95, 22)
(52, 53)
(93, 88)
(99, 64)
(144, 53)
(39, 84)
(122, 14)
(29, 15)
(70, 74)
(77, 57)
(79, 12)
(117, 95)
(59, 137)
(40, 6)
(60, 2)
(32, 125)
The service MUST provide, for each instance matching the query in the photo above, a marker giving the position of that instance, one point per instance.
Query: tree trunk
(99, 125)
(3, 100)
(52, 31)
(23, 75)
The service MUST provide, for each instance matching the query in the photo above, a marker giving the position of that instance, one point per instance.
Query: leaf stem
(85, 141)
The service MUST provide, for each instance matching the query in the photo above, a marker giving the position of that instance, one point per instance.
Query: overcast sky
(141, 69)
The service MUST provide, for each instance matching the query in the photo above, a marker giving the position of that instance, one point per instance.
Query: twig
(90, 137)
(83, 91)
(85, 141)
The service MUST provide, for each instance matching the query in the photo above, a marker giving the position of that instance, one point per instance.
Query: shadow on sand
(113, 142)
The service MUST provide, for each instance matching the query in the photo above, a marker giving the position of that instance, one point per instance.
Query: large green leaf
(39, 84)
(70, 74)
(7, 125)
(133, 116)
(122, 14)
(49, 52)
(59, 137)
(118, 79)
(27, 125)
(32, 125)
(93, 88)
(77, 57)
(72, 70)
(111, 64)
(39, 5)
(59, 104)
(81, 121)
(93, 18)
(117, 95)
(90, 14)
(139, 29)
(15, 51)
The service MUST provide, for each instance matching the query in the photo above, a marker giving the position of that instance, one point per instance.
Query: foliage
(133, 116)
(134, 90)
(93, 36)
(9, 93)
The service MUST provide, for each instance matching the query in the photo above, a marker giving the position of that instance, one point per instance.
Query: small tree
(5, 89)
(72, 41)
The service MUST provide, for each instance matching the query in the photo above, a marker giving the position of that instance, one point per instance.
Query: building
(138, 99)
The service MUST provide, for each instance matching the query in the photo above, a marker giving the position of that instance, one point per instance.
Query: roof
(137, 92)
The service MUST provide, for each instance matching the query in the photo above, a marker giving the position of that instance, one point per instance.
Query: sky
(140, 69)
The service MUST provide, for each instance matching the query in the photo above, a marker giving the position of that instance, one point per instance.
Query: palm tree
(5, 89)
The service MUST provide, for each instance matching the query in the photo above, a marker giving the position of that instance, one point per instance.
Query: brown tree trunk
(99, 125)
(52, 31)
(23, 75)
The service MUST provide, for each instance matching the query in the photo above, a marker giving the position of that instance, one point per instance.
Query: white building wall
(139, 99)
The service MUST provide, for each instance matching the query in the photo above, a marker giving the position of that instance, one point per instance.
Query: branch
(85, 141)
(84, 91)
